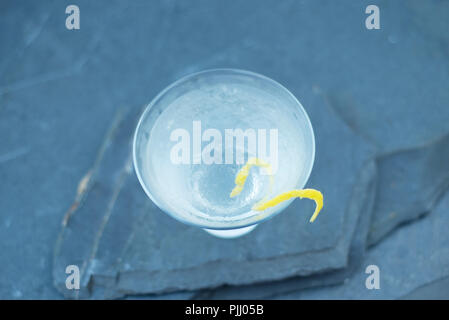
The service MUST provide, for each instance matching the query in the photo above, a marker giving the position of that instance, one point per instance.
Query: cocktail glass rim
(148, 108)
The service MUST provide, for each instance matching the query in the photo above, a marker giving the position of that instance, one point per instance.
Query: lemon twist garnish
(312, 194)
(243, 173)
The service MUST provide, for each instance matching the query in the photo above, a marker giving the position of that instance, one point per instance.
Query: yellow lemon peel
(243, 173)
(312, 194)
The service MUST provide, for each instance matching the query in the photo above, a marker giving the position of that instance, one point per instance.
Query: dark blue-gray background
(59, 89)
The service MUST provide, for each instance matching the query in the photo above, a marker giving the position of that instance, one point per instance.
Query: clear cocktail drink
(195, 136)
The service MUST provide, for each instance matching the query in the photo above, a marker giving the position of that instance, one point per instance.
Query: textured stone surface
(416, 256)
(410, 184)
(86, 224)
(436, 290)
(60, 89)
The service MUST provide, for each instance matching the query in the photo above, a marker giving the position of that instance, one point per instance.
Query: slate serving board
(126, 245)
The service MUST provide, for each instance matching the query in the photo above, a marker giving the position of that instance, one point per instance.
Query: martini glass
(196, 135)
